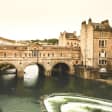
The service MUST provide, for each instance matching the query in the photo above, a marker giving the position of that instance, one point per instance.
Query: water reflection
(31, 75)
(33, 88)
(8, 76)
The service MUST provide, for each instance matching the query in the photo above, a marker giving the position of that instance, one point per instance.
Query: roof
(70, 35)
(8, 40)
(103, 26)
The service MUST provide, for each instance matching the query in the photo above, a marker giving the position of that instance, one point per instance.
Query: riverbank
(108, 81)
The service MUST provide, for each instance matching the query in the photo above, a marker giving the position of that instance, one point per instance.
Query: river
(23, 95)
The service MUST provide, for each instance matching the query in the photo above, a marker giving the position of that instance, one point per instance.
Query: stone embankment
(42, 105)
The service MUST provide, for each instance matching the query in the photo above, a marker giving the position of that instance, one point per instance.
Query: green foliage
(53, 41)
(49, 41)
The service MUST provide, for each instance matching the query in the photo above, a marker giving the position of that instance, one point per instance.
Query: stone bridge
(45, 56)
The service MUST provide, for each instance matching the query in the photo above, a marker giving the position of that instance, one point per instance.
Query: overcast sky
(39, 19)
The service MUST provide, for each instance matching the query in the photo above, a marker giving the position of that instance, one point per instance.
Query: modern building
(96, 44)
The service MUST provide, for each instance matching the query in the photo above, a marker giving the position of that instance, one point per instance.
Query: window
(25, 54)
(15, 54)
(4, 54)
(34, 53)
(52, 54)
(29, 54)
(102, 43)
(102, 62)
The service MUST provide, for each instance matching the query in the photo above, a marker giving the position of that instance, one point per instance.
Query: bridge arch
(41, 68)
(7, 67)
(69, 66)
(60, 69)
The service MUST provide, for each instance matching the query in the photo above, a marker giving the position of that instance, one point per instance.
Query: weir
(72, 102)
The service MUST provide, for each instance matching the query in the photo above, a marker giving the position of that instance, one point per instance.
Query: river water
(23, 95)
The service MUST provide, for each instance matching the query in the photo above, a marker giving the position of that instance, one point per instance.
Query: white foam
(82, 107)
(69, 106)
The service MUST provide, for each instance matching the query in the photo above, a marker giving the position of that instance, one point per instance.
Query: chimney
(90, 20)
(74, 33)
(105, 22)
(61, 33)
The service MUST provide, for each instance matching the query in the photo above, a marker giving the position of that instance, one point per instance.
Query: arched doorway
(60, 70)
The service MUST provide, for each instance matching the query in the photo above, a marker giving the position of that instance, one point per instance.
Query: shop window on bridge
(43, 54)
(5, 55)
(34, 53)
(15, 54)
(29, 54)
(25, 54)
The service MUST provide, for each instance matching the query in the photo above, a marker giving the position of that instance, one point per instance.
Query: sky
(40, 19)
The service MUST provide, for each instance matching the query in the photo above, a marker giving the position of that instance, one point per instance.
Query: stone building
(69, 39)
(96, 44)
(21, 55)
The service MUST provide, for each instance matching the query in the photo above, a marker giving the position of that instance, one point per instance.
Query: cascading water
(68, 103)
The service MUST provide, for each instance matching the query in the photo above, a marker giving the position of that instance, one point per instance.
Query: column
(48, 73)
(20, 74)
(72, 70)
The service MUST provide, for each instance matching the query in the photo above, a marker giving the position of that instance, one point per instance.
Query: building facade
(22, 55)
(96, 44)
(68, 39)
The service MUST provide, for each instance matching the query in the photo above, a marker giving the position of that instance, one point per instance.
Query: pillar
(20, 72)
(48, 71)
(72, 70)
